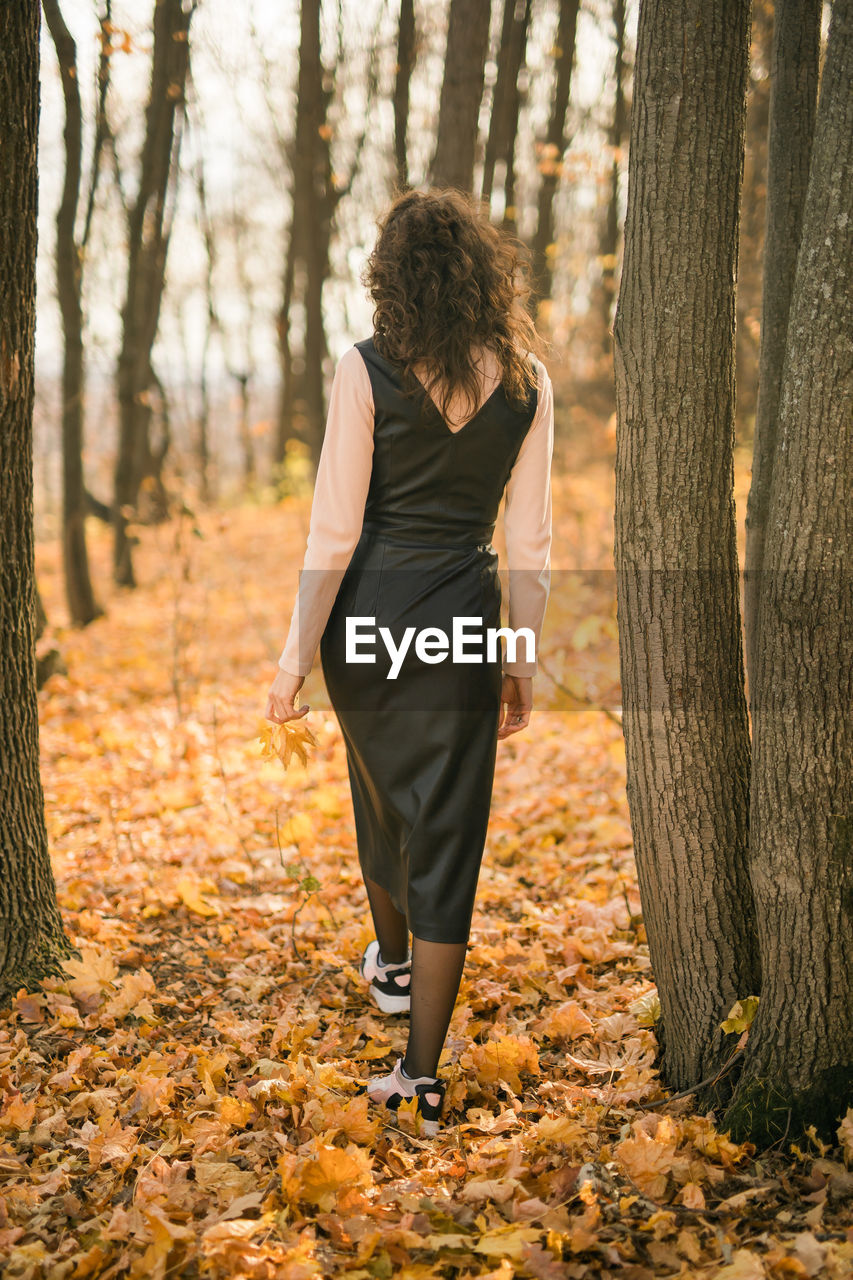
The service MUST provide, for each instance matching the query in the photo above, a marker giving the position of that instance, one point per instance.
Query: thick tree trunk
(461, 94)
(799, 1058)
(32, 939)
(506, 103)
(685, 722)
(793, 104)
(82, 606)
(553, 150)
(406, 54)
(148, 242)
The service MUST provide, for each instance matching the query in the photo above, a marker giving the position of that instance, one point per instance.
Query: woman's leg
(436, 974)
(392, 930)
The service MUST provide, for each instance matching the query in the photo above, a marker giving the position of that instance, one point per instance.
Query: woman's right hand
(281, 700)
(516, 704)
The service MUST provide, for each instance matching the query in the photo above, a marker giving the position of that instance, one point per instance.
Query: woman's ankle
(423, 1075)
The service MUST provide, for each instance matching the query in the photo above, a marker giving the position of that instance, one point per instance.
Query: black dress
(421, 747)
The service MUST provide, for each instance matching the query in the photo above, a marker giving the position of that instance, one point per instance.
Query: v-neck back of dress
(459, 426)
(432, 482)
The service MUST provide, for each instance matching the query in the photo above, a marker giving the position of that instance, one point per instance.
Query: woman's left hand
(282, 696)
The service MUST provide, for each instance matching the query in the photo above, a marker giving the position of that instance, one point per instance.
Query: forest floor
(184, 1103)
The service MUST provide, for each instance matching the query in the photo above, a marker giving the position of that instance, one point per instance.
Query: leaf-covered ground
(185, 1103)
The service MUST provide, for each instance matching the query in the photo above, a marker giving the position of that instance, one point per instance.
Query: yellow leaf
(348, 1116)
(18, 1114)
(501, 1243)
(567, 1022)
(741, 1015)
(646, 1009)
(373, 1049)
(451, 1240)
(134, 987)
(745, 1265)
(502, 1060)
(327, 801)
(286, 740)
(211, 1068)
(691, 1196)
(332, 1170)
(94, 972)
(496, 1190)
(223, 1179)
(560, 1129)
(296, 829)
(190, 891)
(235, 1111)
(646, 1160)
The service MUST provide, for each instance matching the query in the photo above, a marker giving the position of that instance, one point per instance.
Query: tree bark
(82, 606)
(312, 215)
(461, 94)
(148, 243)
(32, 939)
(506, 103)
(287, 391)
(793, 105)
(798, 1069)
(685, 722)
(553, 150)
(753, 214)
(406, 54)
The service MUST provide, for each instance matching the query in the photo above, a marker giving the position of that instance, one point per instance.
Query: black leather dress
(421, 747)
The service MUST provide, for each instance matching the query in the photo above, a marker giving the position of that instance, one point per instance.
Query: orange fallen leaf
(286, 741)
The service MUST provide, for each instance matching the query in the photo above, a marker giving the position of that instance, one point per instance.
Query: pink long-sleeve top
(340, 495)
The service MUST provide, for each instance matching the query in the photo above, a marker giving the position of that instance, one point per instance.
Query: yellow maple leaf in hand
(286, 740)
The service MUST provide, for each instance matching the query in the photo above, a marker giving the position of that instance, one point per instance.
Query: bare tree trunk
(210, 324)
(406, 54)
(148, 236)
(798, 1069)
(286, 398)
(506, 103)
(313, 216)
(244, 431)
(793, 105)
(609, 243)
(685, 722)
(82, 606)
(461, 94)
(316, 195)
(553, 150)
(32, 939)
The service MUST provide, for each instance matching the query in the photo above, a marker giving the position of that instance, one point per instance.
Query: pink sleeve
(337, 511)
(527, 526)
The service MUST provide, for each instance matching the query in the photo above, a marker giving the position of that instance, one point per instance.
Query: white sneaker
(395, 1088)
(389, 983)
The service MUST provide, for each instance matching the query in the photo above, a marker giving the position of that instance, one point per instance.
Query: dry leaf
(286, 741)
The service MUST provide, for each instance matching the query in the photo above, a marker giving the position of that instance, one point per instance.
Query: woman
(431, 421)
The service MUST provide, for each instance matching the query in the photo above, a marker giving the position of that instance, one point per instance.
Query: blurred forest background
(218, 180)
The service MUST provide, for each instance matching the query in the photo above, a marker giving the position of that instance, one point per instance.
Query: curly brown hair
(444, 280)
